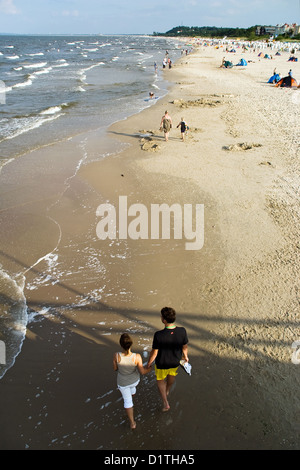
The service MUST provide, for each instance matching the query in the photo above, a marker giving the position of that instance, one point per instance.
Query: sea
(56, 87)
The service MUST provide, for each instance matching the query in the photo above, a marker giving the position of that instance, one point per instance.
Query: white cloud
(8, 7)
(70, 13)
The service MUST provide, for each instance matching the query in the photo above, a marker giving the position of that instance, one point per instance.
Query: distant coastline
(291, 32)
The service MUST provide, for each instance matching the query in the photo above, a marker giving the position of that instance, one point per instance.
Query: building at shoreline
(278, 30)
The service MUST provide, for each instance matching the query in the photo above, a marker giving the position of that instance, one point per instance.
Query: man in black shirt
(168, 348)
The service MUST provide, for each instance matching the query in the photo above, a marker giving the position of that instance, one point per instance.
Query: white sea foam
(35, 54)
(28, 124)
(65, 64)
(93, 66)
(23, 84)
(3, 163)
(13, 314)
(12, 57)
(43, 71)
(35, 66)
(6, 89)
(52, 110)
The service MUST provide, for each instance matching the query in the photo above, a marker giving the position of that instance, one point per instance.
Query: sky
(139, 16)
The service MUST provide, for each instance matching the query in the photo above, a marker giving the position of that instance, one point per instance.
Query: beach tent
(260, 54)
(228, 64)
(277, 53)
(275, 78)
(287, 82)
(267, 56)
(293, 59)
(232, 50)
(242, 62)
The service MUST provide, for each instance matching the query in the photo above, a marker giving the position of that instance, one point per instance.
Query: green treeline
(210, 32)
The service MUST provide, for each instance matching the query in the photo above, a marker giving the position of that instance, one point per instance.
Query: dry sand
(238, 297)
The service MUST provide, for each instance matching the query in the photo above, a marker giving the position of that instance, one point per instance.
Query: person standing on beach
(166, 125)
(168, 348)
(183, 128)
(129, 367)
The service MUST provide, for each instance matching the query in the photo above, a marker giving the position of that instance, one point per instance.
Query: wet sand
(237, 297)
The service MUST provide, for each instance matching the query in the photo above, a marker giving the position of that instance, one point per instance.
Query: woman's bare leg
(130, 415)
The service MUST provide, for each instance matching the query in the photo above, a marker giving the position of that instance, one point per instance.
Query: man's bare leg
(162, 388)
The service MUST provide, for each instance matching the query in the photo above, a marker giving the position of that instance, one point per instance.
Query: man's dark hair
(168, 314)
(125, 341)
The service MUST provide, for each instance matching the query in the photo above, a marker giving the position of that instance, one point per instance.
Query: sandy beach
(237, 297)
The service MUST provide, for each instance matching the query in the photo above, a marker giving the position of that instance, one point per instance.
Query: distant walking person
(183, 128)
(166, 125)
(129, 366)
(168, 348)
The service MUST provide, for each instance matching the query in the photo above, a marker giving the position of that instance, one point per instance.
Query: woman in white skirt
(129, 366)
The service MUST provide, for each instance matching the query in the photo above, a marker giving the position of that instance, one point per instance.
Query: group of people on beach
(169, 348)
(166, 125)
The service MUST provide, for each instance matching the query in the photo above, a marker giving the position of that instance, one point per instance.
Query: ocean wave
(25, 124)
(45, 70)
(35, 54)
(12, 57)
(54, 109)
(93, 66)
(91, 50)
(28, 82)
(35, 66)
(4, 162)
(13, 318)
(5, 89)
(82, 76)
(65, 64)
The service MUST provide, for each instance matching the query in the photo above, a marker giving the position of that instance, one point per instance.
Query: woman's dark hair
(168, 314)
(125, 341)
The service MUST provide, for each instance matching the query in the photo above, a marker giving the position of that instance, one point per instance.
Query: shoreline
(231, 295)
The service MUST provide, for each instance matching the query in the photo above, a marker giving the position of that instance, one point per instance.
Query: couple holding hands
(168, 349)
